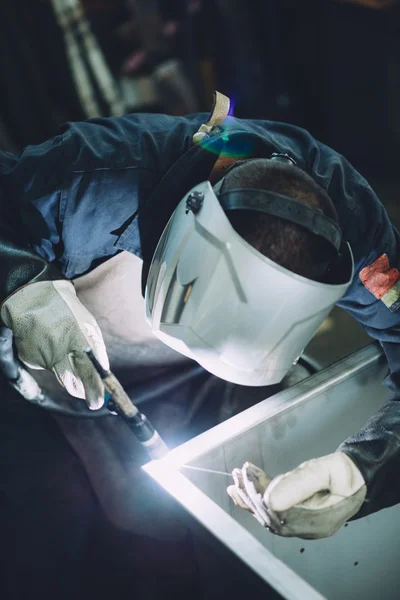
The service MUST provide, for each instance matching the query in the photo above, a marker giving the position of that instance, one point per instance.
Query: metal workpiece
(306, 421)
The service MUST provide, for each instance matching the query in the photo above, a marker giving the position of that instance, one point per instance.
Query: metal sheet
(303, 422)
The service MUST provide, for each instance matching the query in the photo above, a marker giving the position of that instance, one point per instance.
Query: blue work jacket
(111, 184)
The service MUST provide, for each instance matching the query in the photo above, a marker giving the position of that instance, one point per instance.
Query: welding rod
(120, 403)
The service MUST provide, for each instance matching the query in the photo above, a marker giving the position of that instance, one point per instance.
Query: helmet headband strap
(279, 205)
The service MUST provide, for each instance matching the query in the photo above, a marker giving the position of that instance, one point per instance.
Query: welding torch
(118, 402)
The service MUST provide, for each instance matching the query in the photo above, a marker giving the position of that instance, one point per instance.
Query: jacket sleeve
(29, 183)
(373, 299)
(65, 202)
(376, 448)
(19, 264)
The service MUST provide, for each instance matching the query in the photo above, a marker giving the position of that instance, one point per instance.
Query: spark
(206, 470)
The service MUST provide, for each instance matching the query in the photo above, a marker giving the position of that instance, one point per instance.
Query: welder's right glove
(52, 329)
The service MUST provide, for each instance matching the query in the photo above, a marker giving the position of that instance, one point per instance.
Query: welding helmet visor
(214, 298)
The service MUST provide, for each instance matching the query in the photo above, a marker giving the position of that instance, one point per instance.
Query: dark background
(331, 67)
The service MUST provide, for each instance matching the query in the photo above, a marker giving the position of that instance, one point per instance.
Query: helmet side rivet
(194, 202)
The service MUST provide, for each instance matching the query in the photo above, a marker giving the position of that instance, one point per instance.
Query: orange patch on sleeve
(379, 277)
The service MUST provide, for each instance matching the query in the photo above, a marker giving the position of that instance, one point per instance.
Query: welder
(249, 232)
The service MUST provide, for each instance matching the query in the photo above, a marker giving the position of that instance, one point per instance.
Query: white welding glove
(313, 501)
(52, 329)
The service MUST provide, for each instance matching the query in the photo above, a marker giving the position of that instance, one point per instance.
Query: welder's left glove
(313, 501)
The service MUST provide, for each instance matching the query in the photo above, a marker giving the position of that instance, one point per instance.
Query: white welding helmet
(214, 298)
